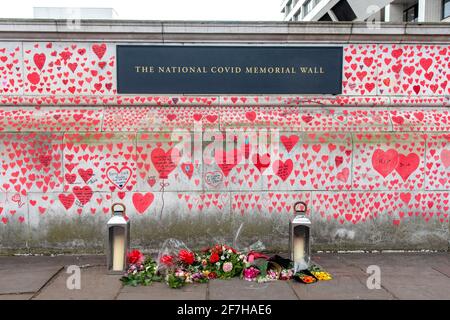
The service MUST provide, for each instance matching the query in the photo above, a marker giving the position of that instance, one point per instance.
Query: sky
(227, 10)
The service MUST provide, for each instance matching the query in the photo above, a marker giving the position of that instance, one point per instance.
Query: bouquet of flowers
(140, 270)
(219, 261)
(178, 266)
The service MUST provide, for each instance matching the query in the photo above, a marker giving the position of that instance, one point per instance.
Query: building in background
(74, 13)
(358, 10)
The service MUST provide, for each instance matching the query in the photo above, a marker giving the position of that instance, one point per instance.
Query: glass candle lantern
(299, 237)
(118, 240)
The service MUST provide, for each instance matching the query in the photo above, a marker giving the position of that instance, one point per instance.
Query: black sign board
(228, 70)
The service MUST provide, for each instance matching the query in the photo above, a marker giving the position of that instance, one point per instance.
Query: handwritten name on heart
(84, 194)
(407, 165)
(213, 178)
(386, 162)
(118, 177)
(165, 162)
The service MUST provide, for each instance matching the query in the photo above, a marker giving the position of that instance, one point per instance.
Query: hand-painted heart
(261, 162)
(188, 169)
(385, 162)
(343, 175)
(84, 194)
(39, 60)
(283, 169)
(165, 162)
(86, 175)
(118, 177)
(142, 201)
(99, 50)
(445, 158)
(289, 142)
(66, 200)
(407, 165)
(227, 160)
(213, 178)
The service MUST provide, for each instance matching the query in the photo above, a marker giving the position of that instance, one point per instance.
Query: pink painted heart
(445, 158)
(385, 162)
(142, 201)
(343, 175)
(289, 142)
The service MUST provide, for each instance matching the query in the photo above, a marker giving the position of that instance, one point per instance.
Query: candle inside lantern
(299, 249)
(118, 249)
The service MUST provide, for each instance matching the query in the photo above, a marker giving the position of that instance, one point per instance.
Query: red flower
(167, 260)
(230, 248)
(214, 258)
(217, 249)
(186, 256)
(135, 257)
(212, 275)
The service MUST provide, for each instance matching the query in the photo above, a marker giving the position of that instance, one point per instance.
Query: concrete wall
(373, 164)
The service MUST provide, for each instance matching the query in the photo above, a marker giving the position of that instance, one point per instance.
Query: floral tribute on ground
(217, 262)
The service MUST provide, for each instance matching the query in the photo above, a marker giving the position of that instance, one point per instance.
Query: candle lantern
(299, 237)
(118, 240)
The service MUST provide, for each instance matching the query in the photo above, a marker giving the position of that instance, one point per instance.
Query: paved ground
(403, 276)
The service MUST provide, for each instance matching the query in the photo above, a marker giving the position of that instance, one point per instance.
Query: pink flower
(227, 266)
(251, 273)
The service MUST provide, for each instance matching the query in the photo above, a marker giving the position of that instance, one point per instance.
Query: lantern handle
(297, 211)
(118, 204)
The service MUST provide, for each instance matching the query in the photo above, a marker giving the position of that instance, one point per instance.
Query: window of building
(411, 14)
(326, 17)
(343, 11)
(445, 9)
(307, 7)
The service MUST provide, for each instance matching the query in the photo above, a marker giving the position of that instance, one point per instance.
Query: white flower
(222, 257)
(230, 251)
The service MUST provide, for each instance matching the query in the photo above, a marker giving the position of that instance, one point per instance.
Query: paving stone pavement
(403, 276)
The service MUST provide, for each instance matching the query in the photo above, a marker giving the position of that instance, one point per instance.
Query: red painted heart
(165, 162)
(385, 162)
(142, 201)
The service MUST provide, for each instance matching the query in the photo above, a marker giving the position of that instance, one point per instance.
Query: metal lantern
(299, 237)
(118, 240)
